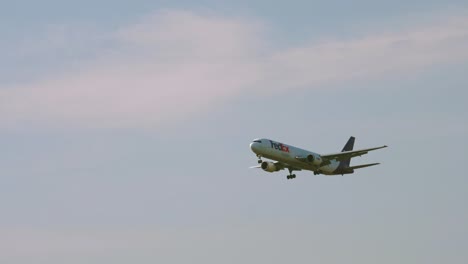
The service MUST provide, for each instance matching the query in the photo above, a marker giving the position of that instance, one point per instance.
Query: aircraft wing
(283, 166)
(280, 166)
(348, 154)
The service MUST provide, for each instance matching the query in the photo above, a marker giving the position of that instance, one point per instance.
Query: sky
(125, 129)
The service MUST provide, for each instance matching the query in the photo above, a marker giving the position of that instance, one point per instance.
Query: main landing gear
(290, 176)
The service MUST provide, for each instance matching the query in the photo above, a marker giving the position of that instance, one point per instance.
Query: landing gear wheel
(259, 159)
(291, 176)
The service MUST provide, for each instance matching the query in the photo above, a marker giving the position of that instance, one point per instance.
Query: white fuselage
(288, 154)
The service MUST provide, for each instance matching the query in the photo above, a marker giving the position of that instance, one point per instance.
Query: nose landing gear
(259, 159)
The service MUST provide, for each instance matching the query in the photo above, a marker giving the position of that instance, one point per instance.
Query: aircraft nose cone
(254, 146)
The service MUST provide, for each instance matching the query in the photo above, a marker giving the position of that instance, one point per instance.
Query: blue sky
(125, 131)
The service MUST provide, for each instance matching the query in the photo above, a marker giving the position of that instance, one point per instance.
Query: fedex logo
(279, 146)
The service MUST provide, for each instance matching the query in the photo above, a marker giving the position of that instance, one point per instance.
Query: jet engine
(269, 166)
(314, 159)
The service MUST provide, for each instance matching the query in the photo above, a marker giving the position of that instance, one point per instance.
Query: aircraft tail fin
(363, 166)
(349, 146)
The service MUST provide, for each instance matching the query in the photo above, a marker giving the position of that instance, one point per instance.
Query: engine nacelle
(314, 159)
(269, 166)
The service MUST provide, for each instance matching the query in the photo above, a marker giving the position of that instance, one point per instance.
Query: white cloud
(374, 55)
(176, 63)
(166, 67)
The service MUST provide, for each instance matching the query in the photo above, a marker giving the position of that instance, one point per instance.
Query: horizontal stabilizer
(340, 156)
(363, 166)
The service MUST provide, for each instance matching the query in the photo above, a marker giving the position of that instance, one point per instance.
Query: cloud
(174, 64)
(165, 67)
(389, 53)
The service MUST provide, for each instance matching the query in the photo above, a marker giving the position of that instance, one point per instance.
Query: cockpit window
(258, 141)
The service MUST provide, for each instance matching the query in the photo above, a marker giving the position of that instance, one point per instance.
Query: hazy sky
(125, 130)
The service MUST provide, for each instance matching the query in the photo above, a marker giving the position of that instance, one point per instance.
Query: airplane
(296, 159)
